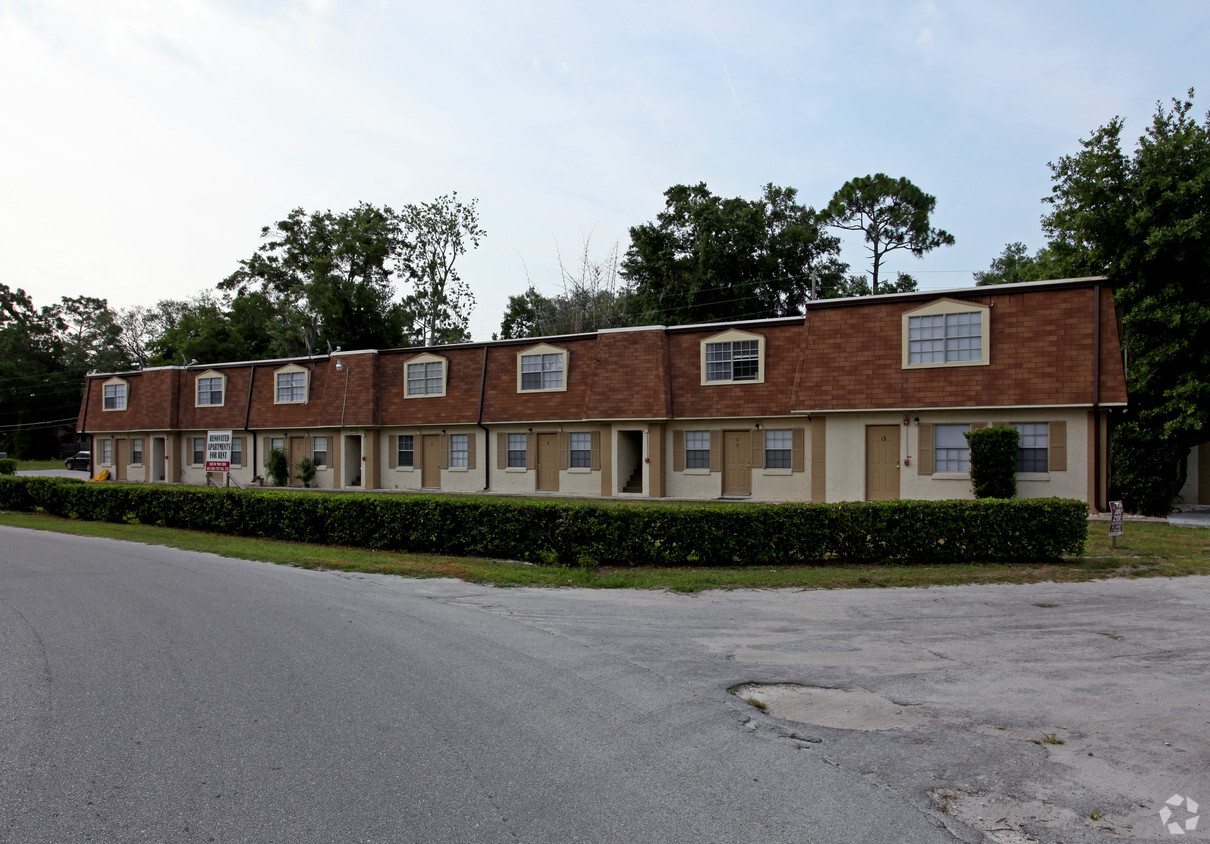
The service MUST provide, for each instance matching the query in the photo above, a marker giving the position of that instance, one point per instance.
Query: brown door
(737, 462)
(430, 472)
(548, 462)
(298, 450)
(121, 455)
(882, 462)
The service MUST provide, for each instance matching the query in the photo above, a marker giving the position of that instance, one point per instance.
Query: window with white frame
(405, 454)
(697, 449)
(237, 451)
(733, 361)
(946, 333)
(779, 449)
(319, 451)
(426, 376)
(136, 450)
(952, 453)
(290, 385)
(1033, 444)
(107, 452)
(209, 390)
(580, 451)
(516, 450)
(275, 444)
(114, 395)
(542, 371)
(733, 357)
(199, 451)
(459, 451)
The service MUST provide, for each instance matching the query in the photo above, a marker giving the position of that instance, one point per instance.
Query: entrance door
(298, 450)
(881, 462)
(121, 453)
(158, 448)
(737, 462)
(430, 471)
(548, 462)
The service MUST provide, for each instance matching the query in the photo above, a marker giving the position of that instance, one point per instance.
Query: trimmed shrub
(580, 532)
(278, 467)
(993, 462)
(8, 466)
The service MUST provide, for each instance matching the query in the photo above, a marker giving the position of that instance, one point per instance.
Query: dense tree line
(1142, 218)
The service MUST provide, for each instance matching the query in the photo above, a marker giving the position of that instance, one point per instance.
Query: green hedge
(573, 532)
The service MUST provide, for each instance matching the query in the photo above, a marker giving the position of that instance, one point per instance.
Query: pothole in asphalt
(839, 709)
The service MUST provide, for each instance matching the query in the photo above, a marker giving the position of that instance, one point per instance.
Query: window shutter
(501, 451)
(1057, 451)
(393, 457)
(471, 439)
(596, 451)
(564, 445)
(924, 448)
(264, 453)
(716, 451)
(531, 451)
(979, 426)
(758, 449)
(798, 456)
(445, 452)
(678, 451)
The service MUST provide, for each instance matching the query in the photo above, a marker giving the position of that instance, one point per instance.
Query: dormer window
(114, 392)
(733, 357)
(542, 369)
(290, 385)
(946, 333)
(426, 376)
(211, 387)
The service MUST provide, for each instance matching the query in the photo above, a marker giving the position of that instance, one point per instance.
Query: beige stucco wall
(846, 454)
(410, 478)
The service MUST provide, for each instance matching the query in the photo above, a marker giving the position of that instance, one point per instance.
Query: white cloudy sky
(144, 143)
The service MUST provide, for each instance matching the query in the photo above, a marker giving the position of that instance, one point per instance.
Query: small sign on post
(1116, 517)
(218, 451)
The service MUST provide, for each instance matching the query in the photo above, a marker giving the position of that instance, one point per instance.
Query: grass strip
(1148, 550)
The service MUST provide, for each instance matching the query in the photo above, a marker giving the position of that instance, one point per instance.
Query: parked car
(79, 460)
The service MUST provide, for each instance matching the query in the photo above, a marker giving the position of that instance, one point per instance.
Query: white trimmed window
(199, 451)
(952, 453)
(426, 376)
(136, 450)
(237, 451)
(697, 449)
(542, 369)
(404, 451)
(579, 451)
(516, 451)
(733, 357)
(319, 451)
(114, 394)
(459, 451)
(107, 452)
(210, 389)
(1033, 446)
(779, 449)
(290, 385)
(946, 333)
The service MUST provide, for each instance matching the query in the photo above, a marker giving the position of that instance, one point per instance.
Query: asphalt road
(148, 694)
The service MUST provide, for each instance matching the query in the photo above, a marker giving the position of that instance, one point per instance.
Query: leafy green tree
(893, 214)
(433, 236)
(859, 285)
(707, 258)
(1142, 218)
(326, 279)
(1015, 264)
